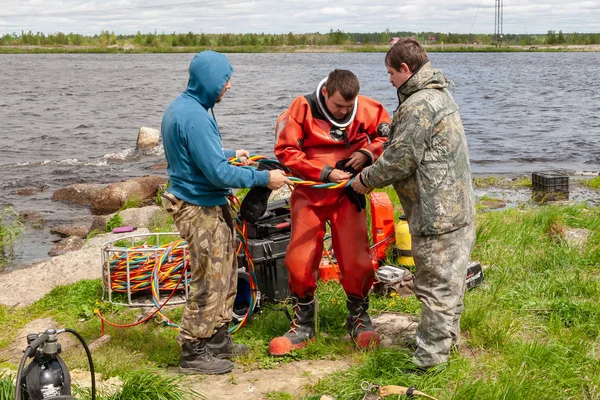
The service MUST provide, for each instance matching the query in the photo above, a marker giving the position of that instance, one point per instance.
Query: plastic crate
(550, 181)
(271, 275)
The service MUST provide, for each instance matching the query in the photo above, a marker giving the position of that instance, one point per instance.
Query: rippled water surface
(73, 118)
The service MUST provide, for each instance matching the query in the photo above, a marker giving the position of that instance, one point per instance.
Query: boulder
(69, 244)
(147, 138)
(142, 217)
(32, 218)
(99, 223)
(29, 191)
(112, 197)
(80, 193)
(71, 230)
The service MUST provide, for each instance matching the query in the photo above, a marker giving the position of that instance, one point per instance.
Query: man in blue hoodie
(201, 178)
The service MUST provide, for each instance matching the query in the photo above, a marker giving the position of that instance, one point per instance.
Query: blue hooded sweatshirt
(196, 162)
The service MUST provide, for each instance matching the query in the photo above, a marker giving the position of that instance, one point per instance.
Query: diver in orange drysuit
(328, 136)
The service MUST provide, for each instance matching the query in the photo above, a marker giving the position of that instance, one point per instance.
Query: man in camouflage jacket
(426, 160)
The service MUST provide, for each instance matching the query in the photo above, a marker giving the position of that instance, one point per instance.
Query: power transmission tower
(499, 23)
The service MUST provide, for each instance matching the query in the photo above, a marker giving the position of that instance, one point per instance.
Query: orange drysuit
(310, 142)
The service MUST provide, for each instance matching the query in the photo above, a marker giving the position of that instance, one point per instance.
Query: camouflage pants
(440, 282)
(209, 235)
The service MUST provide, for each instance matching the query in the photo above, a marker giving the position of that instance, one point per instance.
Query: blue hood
(209, 72)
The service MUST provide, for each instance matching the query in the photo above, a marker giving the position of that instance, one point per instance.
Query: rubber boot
(301, 328)
(221, 344)
(359, 323)
(196, 358)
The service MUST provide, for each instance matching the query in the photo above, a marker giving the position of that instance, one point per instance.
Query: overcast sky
(298, 16)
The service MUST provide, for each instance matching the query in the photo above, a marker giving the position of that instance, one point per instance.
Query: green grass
(139, 385)
(11, 229)
(530, 332)
(593, 183)
(499, 182)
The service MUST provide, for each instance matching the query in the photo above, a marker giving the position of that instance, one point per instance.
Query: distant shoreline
(436, 48)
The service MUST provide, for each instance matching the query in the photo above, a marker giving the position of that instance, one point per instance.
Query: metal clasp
(371, 391)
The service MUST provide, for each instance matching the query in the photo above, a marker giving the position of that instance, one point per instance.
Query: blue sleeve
(206, 150)
(229, 153)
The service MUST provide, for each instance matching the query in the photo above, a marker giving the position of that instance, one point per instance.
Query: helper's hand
(277, 179)
(358, 186)
(244, 157)
(357, 160)
(338, 176)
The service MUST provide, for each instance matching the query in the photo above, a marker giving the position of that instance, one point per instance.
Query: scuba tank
(403, 243)
(47, 377)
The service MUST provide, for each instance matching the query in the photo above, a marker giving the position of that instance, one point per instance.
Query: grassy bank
(290, 49)
(531, 332)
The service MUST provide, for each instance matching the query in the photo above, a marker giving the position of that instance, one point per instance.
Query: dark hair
(343, 81)
(407, 51)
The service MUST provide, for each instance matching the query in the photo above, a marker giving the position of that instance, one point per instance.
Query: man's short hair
(343, 81)
(407, 51)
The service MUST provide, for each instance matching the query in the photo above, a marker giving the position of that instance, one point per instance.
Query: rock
(59, 271)
(576, 237)
(67, 245)
(112, 198)
(99, 223)
(80, 193)
(395, 328)
(101, 341)
(147, 138)
(33, 218)
(492, 204)
(161, 165)
(28, 191)
(71, 230)
(147, 217)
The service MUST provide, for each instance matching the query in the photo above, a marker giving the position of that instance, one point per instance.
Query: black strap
(227, 216)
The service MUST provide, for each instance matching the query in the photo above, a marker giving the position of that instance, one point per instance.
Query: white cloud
(282, 16)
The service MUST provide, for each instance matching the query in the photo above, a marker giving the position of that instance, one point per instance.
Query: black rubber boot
(221, 344)
(359, 323)
(301, 328)
(196, 358)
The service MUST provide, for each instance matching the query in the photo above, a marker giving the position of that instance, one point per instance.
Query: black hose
(28, 351)
(89, 357)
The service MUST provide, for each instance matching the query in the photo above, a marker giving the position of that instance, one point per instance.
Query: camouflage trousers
(210, 240)
(440, 282)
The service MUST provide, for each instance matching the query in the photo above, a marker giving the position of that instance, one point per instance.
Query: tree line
(337, 37)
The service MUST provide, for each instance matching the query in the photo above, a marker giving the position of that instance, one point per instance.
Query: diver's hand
(359, 187)
(244, 157)
(357, 160)
(338, 176)
(277, 179)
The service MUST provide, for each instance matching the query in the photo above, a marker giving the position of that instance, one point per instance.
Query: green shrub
(114, 222)
(11, 229)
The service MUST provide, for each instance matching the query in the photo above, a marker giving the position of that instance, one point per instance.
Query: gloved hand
(359, 200)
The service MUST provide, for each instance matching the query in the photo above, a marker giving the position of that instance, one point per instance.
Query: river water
(74, 118)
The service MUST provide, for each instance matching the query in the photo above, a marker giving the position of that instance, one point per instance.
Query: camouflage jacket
(426, 157)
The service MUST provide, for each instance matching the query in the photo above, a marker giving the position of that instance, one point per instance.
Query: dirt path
(256, 384)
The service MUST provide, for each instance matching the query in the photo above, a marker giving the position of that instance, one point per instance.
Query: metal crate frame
(109, 247)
